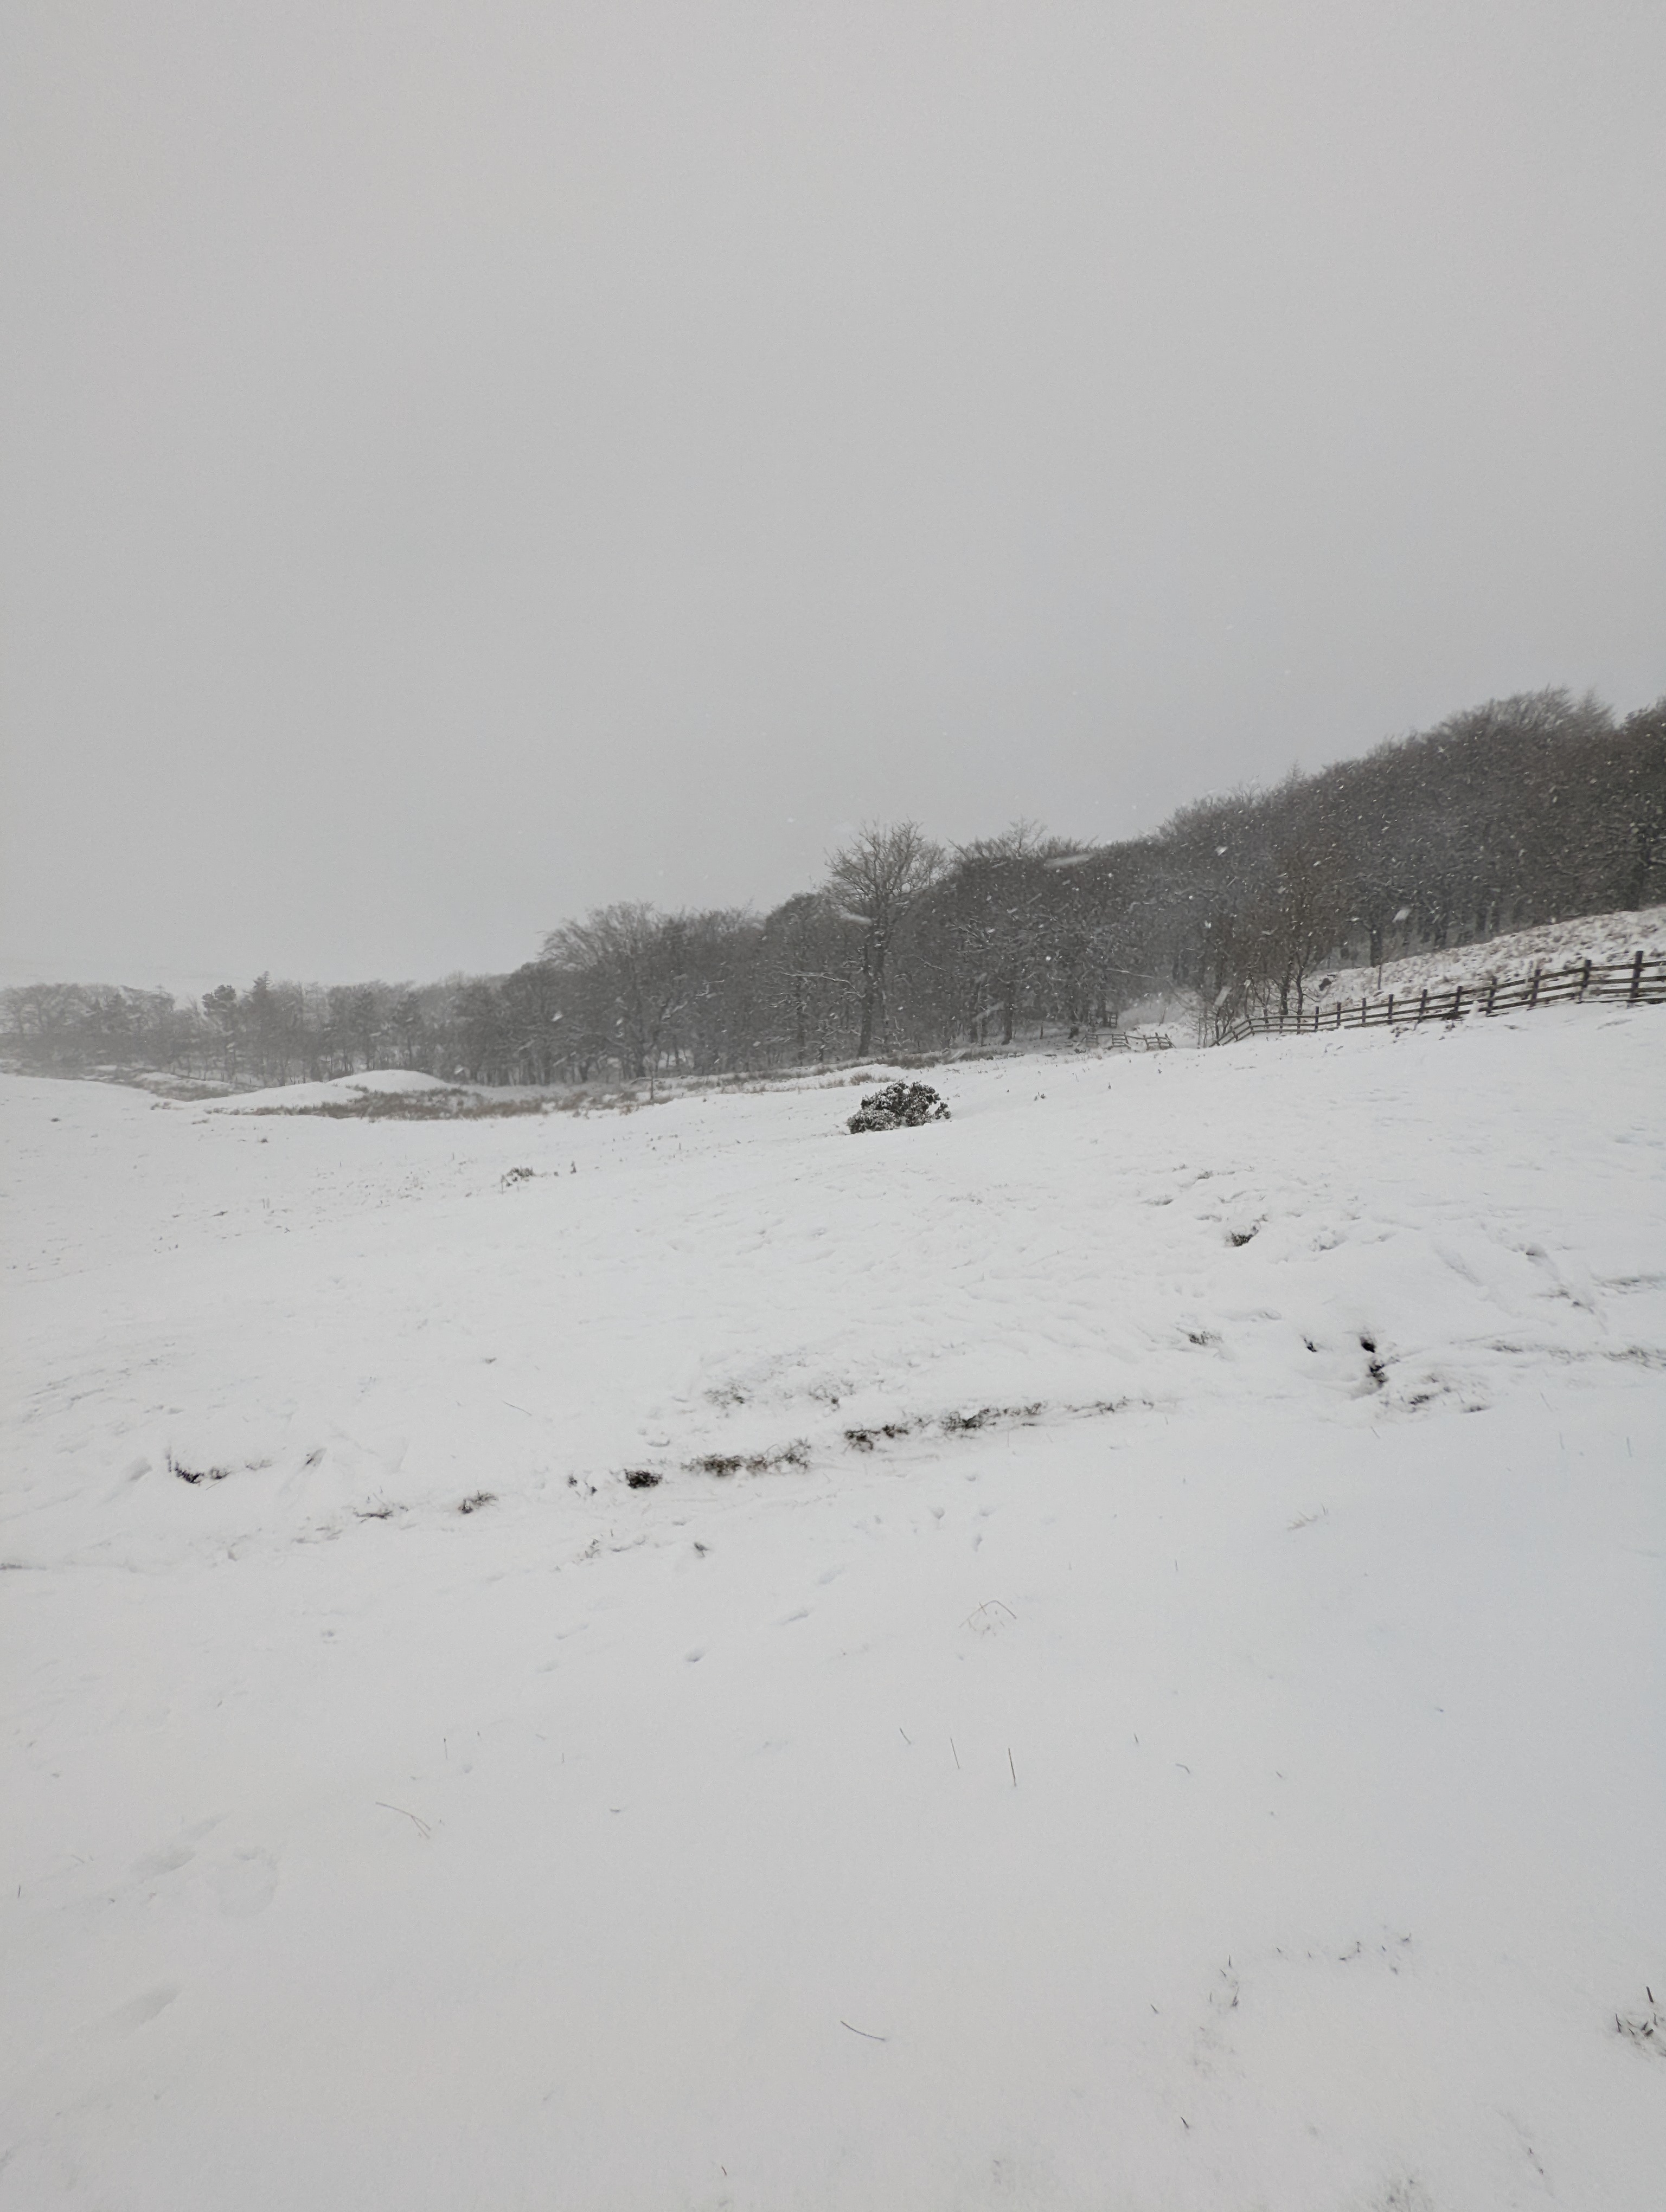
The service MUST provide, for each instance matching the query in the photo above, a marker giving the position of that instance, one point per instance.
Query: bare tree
(221, 1008)
(874, 883)
(1638, 778)
(1292, 925)
(808, 984)
(627, 962)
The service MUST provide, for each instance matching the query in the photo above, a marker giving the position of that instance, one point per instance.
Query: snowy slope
(1600, 937)
(1206, 1757)
(340, 1090)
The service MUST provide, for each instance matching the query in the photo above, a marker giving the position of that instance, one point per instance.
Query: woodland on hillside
(1525, 810)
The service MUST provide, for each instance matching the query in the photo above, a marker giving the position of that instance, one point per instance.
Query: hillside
(1594, 936)
(1135, 1681)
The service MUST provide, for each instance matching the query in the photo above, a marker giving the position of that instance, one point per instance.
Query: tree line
(1524, 810)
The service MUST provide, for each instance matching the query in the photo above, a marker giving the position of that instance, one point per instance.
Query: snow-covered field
(1175, 1722)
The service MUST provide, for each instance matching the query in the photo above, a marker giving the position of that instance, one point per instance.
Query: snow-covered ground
(341, 1090)
(1208, 1756)
(1601, 938)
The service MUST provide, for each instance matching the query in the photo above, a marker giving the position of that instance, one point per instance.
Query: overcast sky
(465, 464)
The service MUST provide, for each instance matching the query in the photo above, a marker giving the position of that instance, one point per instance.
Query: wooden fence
(1640, 980)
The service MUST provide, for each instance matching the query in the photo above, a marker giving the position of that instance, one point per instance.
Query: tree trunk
(865, 1037)
(1648, 835)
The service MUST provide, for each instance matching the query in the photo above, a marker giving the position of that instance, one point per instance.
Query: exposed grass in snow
(1105, 1652)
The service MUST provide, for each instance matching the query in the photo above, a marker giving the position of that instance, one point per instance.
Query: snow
(341, 1090)
(1225, 1773)
(1602, 939)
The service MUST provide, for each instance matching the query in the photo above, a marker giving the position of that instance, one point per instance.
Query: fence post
(1423, 1006)
(1585, 978)
(1491, 985)
(1457, 1004)
(1533, 992)
(1636, 990)
(1391, 1010)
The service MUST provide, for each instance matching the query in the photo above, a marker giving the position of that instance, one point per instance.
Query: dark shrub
(898, 1106)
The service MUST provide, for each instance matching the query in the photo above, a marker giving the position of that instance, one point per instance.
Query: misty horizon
(463, 471)
(192, 984)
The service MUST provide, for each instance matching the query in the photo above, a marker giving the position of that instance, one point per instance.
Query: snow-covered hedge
(898, 1106)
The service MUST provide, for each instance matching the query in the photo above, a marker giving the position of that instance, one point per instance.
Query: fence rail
(1640, 981)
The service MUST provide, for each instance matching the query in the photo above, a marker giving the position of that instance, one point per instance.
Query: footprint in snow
(244, 1882)
(161, 1862)
(171, 1857)
(138, 2011)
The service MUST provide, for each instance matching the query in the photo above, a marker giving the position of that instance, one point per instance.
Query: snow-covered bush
(898, 1106)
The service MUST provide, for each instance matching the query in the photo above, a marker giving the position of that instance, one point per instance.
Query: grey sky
(465, 464)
